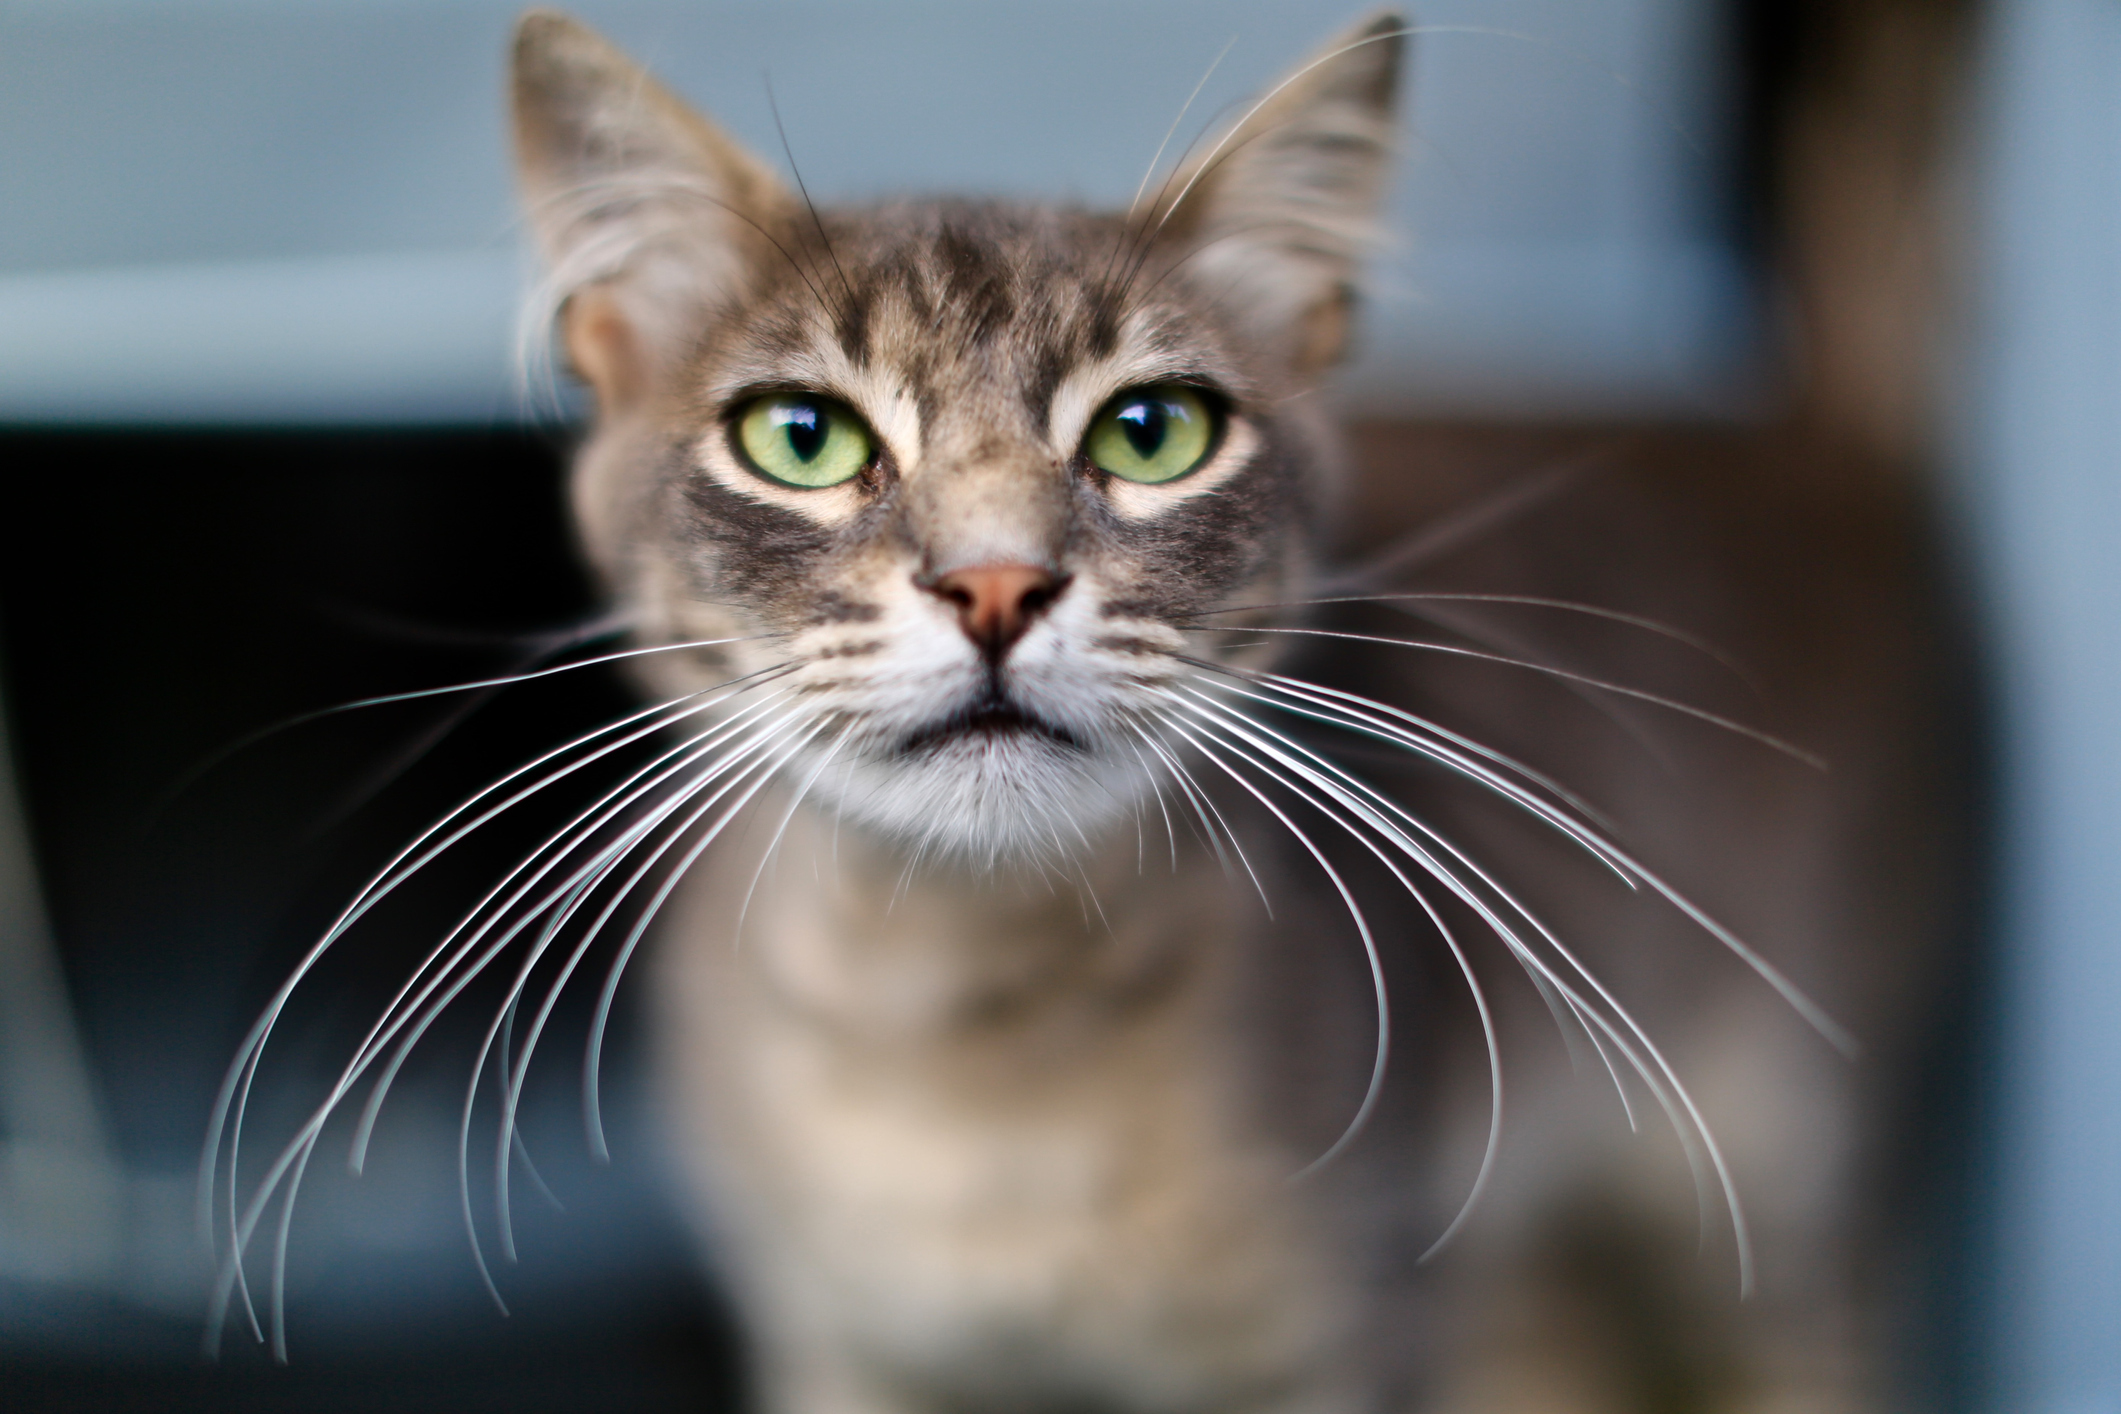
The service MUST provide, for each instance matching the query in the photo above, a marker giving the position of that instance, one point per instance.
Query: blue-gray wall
(213, 210)
(2039, 497)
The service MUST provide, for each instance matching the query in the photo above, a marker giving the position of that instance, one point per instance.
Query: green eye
(801, 440)
(1152, 434)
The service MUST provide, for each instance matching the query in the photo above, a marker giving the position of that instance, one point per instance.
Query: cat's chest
(975, 1139)
(1102, 1223)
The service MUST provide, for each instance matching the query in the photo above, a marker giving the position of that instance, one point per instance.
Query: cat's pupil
(805, 427)
(1143, 422)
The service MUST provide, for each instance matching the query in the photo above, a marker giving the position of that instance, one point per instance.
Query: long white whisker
(568, 896)
(236, 1085)
(781, 830)
(555, 850)
(507, 1085)
(1157, 788)
(294, 1158)
(1383, 1051)
(1486, 635)
(1398, 600)
(570, 891)
(521, 1149)
(1338, 709)
(722, 765)
(1398, 727)
(607, 863)
(602, 1017)
(1143, 185)
(232, 1101)
(1321, 773)
(1814, 1015)
(1465, 966)
(1767, 739)
(1199, 824)
(1199, 795)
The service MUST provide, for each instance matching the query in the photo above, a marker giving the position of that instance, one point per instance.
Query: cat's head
(961, 478)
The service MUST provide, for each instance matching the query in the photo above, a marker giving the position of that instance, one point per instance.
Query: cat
(1096, 1017)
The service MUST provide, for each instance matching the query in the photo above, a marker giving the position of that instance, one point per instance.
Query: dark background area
(166, 595)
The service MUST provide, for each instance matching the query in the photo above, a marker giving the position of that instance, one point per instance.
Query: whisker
(1502, 641)
(1621, 861)
(289, 1166)
(558, 845)
(390, 876)
(627, 838)
(1383, 1050)
(521, 1149)
(1658, 627)
(232, 1101)
(1776, 743)
(586, 875)
(782, 829)
(295, 1159)
(618, 967)
(1695, 1126)
(499, 1048)
(1172, 131)
(816, 221)
(1493, 1145)
(1197, 824)
(1461, 754)
(1156, 788)
(1415, 605)
(1202, 801)
(605, 864)
(250, 739)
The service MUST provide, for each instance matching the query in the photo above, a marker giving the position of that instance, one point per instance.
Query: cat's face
(960, 480)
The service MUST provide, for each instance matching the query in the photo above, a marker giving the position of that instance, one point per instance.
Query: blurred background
(265, 449)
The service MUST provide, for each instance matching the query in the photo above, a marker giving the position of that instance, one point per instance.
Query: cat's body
(985, 1104)
(1024, 944)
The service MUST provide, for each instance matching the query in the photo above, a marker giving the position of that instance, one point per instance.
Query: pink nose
(996, 603)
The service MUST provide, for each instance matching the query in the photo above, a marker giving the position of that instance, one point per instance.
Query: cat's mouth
(990, 721)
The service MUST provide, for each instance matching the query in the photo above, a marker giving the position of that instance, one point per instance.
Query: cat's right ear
(649, 216)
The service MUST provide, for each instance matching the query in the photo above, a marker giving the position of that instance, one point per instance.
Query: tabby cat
(1045, 857)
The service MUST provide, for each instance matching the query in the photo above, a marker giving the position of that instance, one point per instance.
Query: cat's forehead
(943, 301)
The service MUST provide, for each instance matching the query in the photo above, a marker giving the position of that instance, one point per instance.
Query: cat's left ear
(1275, 215)
(651, 217)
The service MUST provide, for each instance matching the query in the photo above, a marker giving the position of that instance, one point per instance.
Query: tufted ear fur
(1275, 215)
(648, 215)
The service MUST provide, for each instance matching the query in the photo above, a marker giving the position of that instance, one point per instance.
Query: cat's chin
(987, 794)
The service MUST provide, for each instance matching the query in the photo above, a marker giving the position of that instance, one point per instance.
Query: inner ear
(1322, 332)
(603, 349)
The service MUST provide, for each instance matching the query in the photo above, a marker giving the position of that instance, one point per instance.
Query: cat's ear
(1276, 213)
(648, 214)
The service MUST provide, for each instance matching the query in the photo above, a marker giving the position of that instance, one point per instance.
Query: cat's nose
(996, 603)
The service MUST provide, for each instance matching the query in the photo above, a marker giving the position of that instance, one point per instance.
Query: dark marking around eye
(761, 551)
